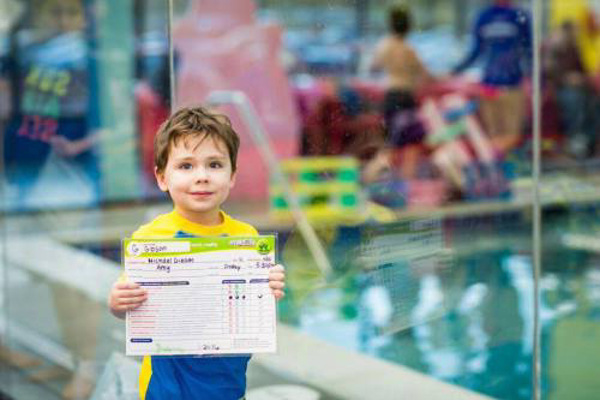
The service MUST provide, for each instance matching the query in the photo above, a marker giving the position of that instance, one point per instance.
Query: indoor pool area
(299, 199)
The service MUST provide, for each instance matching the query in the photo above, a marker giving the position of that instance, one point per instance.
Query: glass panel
(433, 269)
(83, 85)
(408, 235)
(569, 188)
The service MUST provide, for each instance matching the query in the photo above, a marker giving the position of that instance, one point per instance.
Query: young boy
(195, 162)
(406, 74)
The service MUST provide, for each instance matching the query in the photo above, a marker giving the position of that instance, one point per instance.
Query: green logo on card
(263, 246)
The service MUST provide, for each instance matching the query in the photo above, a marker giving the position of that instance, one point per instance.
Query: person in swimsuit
(405, 74)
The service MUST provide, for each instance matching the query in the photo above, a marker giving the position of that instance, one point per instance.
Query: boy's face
(198, 176)
(63, 15)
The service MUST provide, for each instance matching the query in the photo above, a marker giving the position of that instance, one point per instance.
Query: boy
(195, 162)
(406, 74)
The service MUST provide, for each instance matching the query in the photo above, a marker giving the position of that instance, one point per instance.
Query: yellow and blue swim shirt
(187, 378)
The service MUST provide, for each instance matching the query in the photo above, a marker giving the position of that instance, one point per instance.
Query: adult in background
(565, 74)
(502, 38)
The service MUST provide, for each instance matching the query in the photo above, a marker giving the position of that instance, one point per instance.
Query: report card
(206, 295)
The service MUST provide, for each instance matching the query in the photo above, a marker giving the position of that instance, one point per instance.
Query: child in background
(195, 162)
(405, 75)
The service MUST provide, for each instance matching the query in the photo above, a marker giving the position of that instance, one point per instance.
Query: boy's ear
(232, 179)
(160, 180)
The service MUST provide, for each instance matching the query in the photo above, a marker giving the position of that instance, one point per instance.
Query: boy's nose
(201, 175)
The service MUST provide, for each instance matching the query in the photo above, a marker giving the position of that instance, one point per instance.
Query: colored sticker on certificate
(206, 295)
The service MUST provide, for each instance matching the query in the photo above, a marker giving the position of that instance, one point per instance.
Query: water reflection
(454, 304)
(51, 130)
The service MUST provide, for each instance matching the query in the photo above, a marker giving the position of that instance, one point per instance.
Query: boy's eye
(185, 166)
(216, 164)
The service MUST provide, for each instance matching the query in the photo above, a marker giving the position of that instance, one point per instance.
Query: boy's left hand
(277, 281)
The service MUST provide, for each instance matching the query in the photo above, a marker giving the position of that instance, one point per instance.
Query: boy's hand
(277, 281)
(126, 296)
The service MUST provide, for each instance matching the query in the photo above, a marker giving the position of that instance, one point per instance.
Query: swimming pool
(461, 309)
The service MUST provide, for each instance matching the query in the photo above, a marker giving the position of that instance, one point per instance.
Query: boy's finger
(279, 294)
(126, 285)
(133, 293)
(276, 285)
(128, 307)
(277, 268)
(132, 300)
(276, 276)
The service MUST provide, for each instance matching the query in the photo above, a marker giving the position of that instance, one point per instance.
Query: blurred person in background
(49, 74)
(52, 115)
(502, 38)
(405, 75)
(565, 73)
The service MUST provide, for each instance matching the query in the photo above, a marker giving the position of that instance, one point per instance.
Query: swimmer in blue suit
(502, 38)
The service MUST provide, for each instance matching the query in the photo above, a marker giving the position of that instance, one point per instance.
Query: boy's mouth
(201, 193)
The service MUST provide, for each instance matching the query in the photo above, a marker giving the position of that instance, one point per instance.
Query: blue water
(467, 317)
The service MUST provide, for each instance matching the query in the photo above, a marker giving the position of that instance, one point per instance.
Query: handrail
(248, 114)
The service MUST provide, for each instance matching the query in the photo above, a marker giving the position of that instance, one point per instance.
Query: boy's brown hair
(399, 19)
(194, 122)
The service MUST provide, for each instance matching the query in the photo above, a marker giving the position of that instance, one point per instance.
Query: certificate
(206, 295)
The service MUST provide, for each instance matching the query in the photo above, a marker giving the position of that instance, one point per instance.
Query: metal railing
(258, 134)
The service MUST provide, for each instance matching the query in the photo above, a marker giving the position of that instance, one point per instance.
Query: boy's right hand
(126, 296)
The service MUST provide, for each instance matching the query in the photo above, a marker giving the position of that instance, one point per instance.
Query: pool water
(463, 314)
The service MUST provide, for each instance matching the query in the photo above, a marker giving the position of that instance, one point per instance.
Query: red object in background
(596, 81)
(553, 138)
(220, 46)
(151, 113)
(330, 130)
(308, 96)
(327, 123)
(328, 126)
